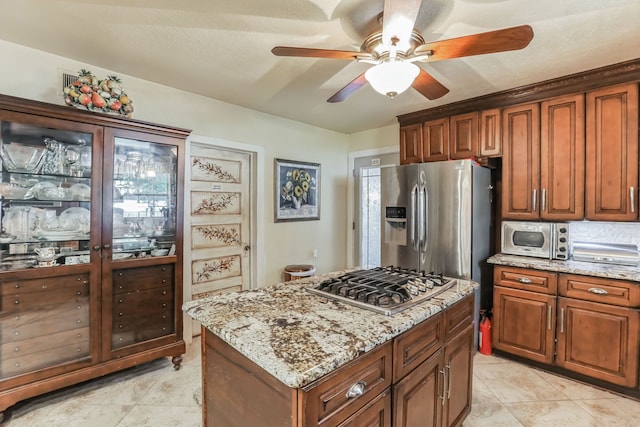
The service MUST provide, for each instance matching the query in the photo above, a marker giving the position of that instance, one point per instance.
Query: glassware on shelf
(18, 157)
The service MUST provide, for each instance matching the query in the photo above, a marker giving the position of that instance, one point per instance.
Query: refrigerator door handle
(424, 217)
(414, 218)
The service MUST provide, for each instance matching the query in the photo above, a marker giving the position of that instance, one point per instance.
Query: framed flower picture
(297, 190)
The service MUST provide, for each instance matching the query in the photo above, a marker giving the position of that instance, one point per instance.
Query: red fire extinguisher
(485, 333)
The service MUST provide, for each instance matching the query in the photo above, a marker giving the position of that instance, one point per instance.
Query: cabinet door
(463, 138)
(376, 413)
(418, 398)
(435, 140)
(490, 133)
(524, 323)
(612, 154)
(458, 363)
(142, 241)
(521, 161)
(598, 340)
(562, 158)
(411, 144)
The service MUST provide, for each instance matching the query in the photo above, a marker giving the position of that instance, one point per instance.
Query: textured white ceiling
(222, 49)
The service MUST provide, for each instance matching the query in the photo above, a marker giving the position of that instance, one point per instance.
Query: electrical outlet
(315, 253)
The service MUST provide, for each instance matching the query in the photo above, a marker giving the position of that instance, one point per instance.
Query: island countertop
(297, 336)
(608, 271)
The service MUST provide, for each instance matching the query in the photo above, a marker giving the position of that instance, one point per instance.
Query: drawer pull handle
(17, 301)
(562, 320)
(524, 280)
(598, 291)
(356, 390)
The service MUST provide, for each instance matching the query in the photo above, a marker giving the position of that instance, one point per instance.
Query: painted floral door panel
(219, 220)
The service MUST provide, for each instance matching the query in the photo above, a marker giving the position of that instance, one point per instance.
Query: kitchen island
(282, 356)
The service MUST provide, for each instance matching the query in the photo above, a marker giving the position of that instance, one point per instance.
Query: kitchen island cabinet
(282, 356)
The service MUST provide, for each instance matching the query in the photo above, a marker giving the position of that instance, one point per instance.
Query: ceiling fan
(395, 48)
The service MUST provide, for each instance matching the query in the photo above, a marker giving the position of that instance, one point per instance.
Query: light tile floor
(505, 393)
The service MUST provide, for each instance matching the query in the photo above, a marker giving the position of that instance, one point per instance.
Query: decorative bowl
(22, 158)
(159, 252)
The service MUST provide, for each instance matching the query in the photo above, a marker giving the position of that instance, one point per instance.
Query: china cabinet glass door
(143, 224)
(47, 280)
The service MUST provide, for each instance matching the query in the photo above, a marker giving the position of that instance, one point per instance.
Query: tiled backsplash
(605, 232)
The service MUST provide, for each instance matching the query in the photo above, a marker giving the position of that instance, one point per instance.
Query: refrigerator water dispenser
(395, 225)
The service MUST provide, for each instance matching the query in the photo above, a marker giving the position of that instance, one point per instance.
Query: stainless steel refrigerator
(437, 218)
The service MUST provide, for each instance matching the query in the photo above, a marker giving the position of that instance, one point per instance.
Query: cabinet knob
(356, 390)
(106, 246)
(96, 248)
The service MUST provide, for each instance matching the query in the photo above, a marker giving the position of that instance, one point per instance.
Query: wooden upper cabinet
(411, 144)
(521, 161)
(435, 140)
(562, 158)
(612, 153)
(463, 137)
(490, 133)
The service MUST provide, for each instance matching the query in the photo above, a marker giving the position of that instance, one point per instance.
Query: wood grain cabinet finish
(598, 340)
(80, 320)
(594, 323)
(612, 153)
(435, 140)
(411, 144)
(416, 379)
(562, 147)
(463, 138)
(521, 161)
(524, 323)
(490, 134)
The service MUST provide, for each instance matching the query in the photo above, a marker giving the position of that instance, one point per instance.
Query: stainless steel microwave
(537, 239)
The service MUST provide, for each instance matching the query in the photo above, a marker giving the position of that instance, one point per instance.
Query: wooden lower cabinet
(522, 323)
(418, 379)
(590, 326)
(598, 340)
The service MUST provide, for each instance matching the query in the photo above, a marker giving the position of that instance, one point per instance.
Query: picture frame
(296, 190)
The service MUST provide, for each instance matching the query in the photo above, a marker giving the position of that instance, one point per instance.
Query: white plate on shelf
(76, 218)
(80, 192)
(123, 255)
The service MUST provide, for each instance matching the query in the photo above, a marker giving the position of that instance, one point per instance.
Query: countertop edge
(609, 271)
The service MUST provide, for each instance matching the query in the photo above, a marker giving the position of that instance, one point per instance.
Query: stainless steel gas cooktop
(386, 290)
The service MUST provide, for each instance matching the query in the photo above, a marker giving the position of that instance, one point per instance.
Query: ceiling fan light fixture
(393, 77)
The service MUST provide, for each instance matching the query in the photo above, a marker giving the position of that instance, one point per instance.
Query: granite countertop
(609, 271)
(298, 336)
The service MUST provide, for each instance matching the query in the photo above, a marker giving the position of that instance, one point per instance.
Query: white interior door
(218, 229)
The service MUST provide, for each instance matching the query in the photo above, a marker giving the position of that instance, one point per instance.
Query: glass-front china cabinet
(90, 246)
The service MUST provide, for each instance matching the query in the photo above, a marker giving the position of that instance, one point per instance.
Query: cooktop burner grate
(386, 290)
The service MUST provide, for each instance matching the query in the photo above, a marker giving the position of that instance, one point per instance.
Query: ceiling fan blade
(346, 91)
(318, 53)
(428, 86)
(513, 38)
(398, 19)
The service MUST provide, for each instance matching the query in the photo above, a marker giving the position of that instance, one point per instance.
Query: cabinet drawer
(139, 279)
(66, 352)
(43, 284)
(43, 343)
(376, 413)
(327, 397)
(458, 317)
(142, 303)
(416, 345)
(135, 330)
(608, 291)
(528, 280)
(32, 300)
(18, 326)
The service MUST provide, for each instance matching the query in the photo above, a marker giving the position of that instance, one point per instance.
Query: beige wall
(34, 74)
(380, 138)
